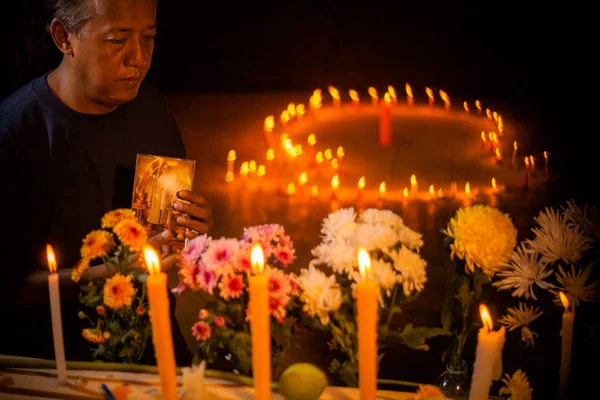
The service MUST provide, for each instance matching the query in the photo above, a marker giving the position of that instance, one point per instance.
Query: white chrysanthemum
(572, 283)
(521, 317)
(517, 386)
(339, 255)
(339, 225)
(411, 239)
(193, 385)
(374, 216)
(385, 275)
(375, 237)
(587, 219)
(411, 267)
(523, 271)
(557, 238)
(320, 293)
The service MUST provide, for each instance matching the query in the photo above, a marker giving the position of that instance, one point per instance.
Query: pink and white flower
(231, 286)
(201, 331)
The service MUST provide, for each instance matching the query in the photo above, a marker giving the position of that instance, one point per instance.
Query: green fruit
(302, 381)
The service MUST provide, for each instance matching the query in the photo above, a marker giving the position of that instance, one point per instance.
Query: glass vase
(453, 381)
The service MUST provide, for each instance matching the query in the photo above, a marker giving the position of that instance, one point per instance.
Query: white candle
(566, 332)
(488, 357)
(57, 332)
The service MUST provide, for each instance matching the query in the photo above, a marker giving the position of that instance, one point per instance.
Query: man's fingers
(157, 241)
(195, 211)
(192, 197)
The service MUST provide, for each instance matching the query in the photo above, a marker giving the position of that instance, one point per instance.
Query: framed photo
(156, 183)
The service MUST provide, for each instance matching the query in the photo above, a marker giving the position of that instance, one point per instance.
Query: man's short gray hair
(73, 14)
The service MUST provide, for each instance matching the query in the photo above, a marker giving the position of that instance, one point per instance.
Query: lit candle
(392, 93)
(444, 96)
(478, 105)
(432, 192)
(335, 95)
(269, 123)
(284, 118)
(498, 155)
(414, 186)
(488, 113)
(532, 165)
(566, 332)
(362, 182)
(316, 100)
(466, 107)
(410, 100)
(430, 95)
(366, 307)
(513, 163)
(291, 109)
(57, 331)
(340, 155)
(546, 164)
(374, 96)
(483, 143)
(260, 326)
(314, 191)
(335, 184)
(302, 179)
(354, 96)
(300, 110)
(312, 140)
(291, 189)
(382, 190)
(385, 121)
(230, 165)
(488, 357)
(160, 319)
(526, 173)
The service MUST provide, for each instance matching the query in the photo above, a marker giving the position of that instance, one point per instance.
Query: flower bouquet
(220, 268)
(116, 309)
(328, 298)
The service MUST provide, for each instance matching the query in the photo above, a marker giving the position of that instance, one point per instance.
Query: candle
(478, 105)
(392, 93)
(430, 95)
(444, 96)
(300, 110)
(382, 190)
(414, 186)
(362, 182)
(488, 113)
(513, 163)
(409, 95)
(546, 164)
(354, 96)
(311, 140)
(230, 165)
(466, 107)
(160, 319)
(566, 332)
(57, 332)
(366, 307)
(483, 143)
(374, 96)
(335, 95)
(385, 121)
(340, 155)
(488, 357)
(260, 326)
(526, 186)
(335, 184)
(291, 109)
(431, 192)
(284, 118)
(316, 100)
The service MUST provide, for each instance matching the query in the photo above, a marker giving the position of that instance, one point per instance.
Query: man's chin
(124, 96)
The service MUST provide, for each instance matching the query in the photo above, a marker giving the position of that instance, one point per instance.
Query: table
(40, 383)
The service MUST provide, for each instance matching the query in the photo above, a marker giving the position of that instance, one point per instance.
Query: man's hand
(199, 219)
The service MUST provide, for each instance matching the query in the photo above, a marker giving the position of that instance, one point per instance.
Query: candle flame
(494, 185)
(495, 116)
(328, 154)
(382, 188)
(51, 258)
(527, 162)
(285, 117)
(387, 98)
(362, 182)
(244, 168)
(312, 139)
(364, 262)
(303, 178)
(405, 192)
(468, 189)
(231, 155)
(316, 100)
(483, 137)
(300, 109)
(466, 106)
(444, 96)
(333, 92)
(291, 109)
(429, 92)
(261, 171)
(392, 91)
(373, 92)
(532, 161)
(413, 180)
(340, 152)
(515, 145)
(478, 104)
(291, 188)
(335, 182)
(564, 300)
(409, 92)
(270, 155)
(486, 318)
(488, 113)
(440, 193)
(498, 154)
(354, 95)
(546, 155)
(252, 166)
(152, 260)
(334, 163)
(319, 157)
(269, 123)
(432, 190)
(257, 258)
(314, 191)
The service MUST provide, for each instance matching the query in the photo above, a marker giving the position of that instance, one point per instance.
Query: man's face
(113, 52)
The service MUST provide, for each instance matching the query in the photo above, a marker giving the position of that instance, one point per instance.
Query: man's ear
(60, 35)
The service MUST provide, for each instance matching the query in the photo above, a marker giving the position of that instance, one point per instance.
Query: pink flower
(221, 255)
(201, 330)
(269, 236)
(294, 287)
(219, 321)
(279, 282)
(203, 314)
(285, 255)
(207, 280)
(231, 286)
(243, 263)
(191, 253)
(277, 308)
(189, 276)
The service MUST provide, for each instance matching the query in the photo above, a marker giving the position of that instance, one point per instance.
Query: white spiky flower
(557, 238)
(522, 317)
(516, 386)
(573, 283)
(524, 270)
(586, 219)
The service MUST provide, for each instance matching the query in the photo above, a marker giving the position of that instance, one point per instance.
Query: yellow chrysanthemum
(79, 269)
(93, 335)
(118, 291)
(483, 237)
(111, 218)
(131, 234)
(96, 244)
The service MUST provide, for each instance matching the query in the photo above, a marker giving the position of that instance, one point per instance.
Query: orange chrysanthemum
(80, 269)
(97, 244)
(112, 218)
(118, 291)
(131, 234)
(93, 335)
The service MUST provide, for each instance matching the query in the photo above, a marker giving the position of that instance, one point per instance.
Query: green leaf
(126, 352)
(93, 301)
(464, 296)
(448, 310)
(415, 337)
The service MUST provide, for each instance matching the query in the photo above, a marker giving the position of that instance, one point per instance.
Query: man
(68, 145)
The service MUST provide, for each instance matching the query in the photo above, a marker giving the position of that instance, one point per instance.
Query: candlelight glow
(261, 171)
(515, 145)
(495, 116)
(466, 106)
(231, 155)
(300, 110)
(291, 188)
(364, 262)
(494, 187)
(392, 92)
(270, 155)
(328, 154)
(152, 260)
(429, 93)
(354, 95)
(444, 96)
(340, 152)
(285, 117)
(478, 105)
(373, 92)
(257, 259)
(483, 137)
(527, 162)
(486, 318)
(532, 161)
(244, 168)
(564, 300)
(545, 155)
(413, 180)
(387, 98)
(229, 176)
(51, 258)
(405, 192)
(362, 182)
(335, 182)
(319, 157)
(291, 109)
(382, 188)
(333, 92)
(334, 163)
(252, 166)
(314, 191)
(468, 189)
(488, 113)
(409, 92)
(312, 139)
(269, 123)
(431, 190)
(498, 154)
(440, 193)
(316, 100)
(303, 178)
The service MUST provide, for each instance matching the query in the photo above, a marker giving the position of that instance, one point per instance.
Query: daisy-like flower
(426, 392)
(411, 239)
(231, 286)
(279, 282)
(373, 237)
(573, 284)
(339, 255)
(221, 255)
(521, 317)
(411, 267)
(285, 254)
(557, 238)
(113, 217)
(93, 335)
(243, 263)
(319, 293)
(516, 387)
(131, 234)
(374, 216)
(189, 276)
(268, 235)
(277, 307)
(524, 270)
(385, 276)
(587, 219)
(97, 244)
(79, 269)
(339, 225)
(118, 291)
(483, 237)
(201, 331)
(191, 254)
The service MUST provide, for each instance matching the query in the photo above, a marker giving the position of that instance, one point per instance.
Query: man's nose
(139, 55)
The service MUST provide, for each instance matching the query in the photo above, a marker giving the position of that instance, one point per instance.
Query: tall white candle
(566, 332)
(488, 357)
(57, 332)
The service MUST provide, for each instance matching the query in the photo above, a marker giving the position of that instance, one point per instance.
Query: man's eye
(116, 41)
(149, 37)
